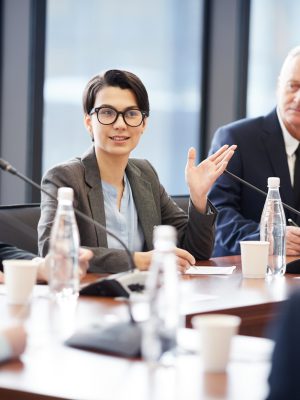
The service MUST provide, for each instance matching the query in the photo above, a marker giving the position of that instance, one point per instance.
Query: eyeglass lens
(108, 116)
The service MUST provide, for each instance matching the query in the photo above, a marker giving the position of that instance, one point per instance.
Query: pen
(291, 222)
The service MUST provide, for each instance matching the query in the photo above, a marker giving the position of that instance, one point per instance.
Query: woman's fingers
(218, 153)
(191, 160)
(223, 154)
(185, 257)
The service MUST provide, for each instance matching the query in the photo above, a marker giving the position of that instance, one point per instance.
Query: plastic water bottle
(64, 249)
(272, 228)
(162, 290)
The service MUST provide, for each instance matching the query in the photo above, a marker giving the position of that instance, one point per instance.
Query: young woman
(125, 194)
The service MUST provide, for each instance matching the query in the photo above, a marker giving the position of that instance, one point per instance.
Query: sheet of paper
(201, 270)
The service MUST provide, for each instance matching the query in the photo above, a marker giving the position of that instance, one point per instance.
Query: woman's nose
(119, 122)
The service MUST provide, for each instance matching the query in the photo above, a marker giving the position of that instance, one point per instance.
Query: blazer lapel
(95, 194)
(275, 148)
(144, 202)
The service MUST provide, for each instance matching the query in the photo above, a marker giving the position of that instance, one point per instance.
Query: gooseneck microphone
(122, 339)
(106, 286)
(259, 191)
(292, 267)
(9, 168)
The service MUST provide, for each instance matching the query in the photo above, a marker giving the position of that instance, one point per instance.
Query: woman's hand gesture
(201, 177)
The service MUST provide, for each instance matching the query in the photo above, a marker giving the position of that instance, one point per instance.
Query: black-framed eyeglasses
(108, 115)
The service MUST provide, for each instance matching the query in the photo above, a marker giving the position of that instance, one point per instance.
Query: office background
(204, 62)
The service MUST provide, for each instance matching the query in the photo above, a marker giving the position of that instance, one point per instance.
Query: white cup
(19, 278)
(254, 257)
(215, 332)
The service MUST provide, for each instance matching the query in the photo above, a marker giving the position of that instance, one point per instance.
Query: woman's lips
(119, 138)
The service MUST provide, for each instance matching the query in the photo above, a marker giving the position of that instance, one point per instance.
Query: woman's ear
(87, 121)
(145, 122)
(88, 124)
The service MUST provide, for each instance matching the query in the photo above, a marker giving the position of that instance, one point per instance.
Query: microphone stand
(9, 168)
(292, 267)
(111, 287)
(259, 191)
(123, 339)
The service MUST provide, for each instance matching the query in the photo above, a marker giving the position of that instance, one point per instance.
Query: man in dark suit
(266, 147)
(284, 376)
(8, 252)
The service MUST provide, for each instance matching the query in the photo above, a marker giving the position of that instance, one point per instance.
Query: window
(274, 30)
(158, 40)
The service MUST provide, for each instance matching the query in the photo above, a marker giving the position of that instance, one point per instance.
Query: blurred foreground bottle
(162, 291)
(272, 228)
(64, 249)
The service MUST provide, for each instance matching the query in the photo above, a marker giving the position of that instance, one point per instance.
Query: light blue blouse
(124, 222)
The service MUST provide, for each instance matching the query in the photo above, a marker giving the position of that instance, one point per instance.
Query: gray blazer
(154, 207)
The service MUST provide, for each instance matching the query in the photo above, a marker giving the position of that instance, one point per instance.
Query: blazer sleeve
(231, 225)
(54, 179)
(9, 252)
(105, 260)
(195, 231)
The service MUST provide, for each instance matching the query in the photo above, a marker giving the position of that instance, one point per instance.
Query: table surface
(49, 369)
(256, 301)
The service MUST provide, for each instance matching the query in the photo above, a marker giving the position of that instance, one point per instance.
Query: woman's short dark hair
(116, 78)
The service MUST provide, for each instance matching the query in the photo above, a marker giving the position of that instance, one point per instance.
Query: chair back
(18, 226)
(18, 223)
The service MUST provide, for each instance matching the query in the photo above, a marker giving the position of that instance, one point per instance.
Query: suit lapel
(141, 191)
(144, 202)
(95, 194)
(275, 148)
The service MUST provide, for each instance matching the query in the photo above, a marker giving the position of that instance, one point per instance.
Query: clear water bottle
(64, 249)
(162, 290)
(272, 228)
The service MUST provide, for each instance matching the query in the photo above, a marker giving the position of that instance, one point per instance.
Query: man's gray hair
(294, 52)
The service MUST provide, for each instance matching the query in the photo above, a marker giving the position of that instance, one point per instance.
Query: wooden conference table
(50, 370)
(256, 301)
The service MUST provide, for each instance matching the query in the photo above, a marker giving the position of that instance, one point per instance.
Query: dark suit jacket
(154, 207)
(259, 155)
(8, 252)
(284, 377)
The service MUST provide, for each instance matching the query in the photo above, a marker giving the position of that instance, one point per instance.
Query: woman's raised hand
(201, 177)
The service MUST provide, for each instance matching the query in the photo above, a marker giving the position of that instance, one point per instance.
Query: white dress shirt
(291, 145)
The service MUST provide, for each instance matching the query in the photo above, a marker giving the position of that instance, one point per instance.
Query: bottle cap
(164, 232)
(65, 193)
(273, 182)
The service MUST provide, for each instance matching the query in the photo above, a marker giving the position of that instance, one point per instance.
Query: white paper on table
(201, 270)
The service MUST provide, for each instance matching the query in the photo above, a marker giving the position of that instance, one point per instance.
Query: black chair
(18, 226)
(18, 223)
(182, 201)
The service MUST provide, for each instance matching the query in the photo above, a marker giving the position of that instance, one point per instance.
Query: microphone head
(7, 167)
(3, 164)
